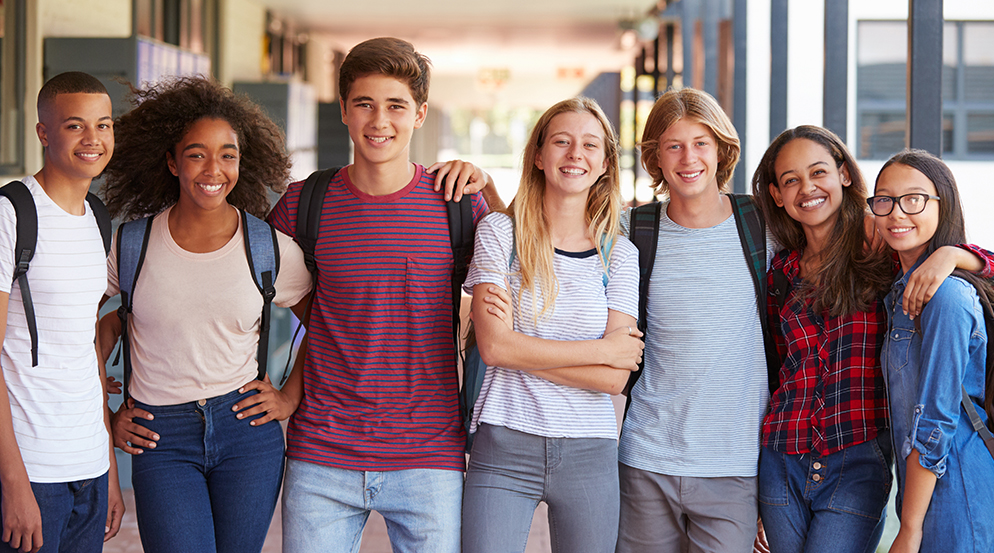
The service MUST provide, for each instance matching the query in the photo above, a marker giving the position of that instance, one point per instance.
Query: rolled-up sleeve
(949, 323)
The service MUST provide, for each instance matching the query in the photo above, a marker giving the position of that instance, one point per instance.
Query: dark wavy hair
(852, 274)
(950, 231)
(138, 181)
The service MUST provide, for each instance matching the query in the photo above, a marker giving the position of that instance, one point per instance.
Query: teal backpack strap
(132, 243)
(263, 252)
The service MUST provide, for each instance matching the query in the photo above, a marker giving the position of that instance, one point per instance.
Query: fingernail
(252, 423)
(238, 416)
(155, 436)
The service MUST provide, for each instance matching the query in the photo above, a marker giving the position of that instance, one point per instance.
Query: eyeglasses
(911, 204)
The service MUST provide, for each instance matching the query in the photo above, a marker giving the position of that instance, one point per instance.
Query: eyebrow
(199, 145)
(694, 138)
(809, 166)
(361, 99)
(81, 120)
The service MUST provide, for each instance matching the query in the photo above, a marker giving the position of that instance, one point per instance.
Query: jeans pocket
(772, 477)
(864, 479)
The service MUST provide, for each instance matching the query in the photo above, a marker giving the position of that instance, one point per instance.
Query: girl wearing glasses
(824, 470)
(935, 367)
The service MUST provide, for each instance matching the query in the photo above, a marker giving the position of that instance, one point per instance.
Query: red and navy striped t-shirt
(380, 385)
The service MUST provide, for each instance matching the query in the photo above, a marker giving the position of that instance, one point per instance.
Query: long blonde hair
(603, 212)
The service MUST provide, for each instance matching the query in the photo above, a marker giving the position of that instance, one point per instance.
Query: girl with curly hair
(207, 450)
(545, 424)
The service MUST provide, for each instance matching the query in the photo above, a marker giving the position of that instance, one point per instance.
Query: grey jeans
(682, 514)
(510, 472)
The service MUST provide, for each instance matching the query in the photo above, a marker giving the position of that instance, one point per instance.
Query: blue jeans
(211, 482)
(325, 508)
(825, 504)
(510, 472)
(73, 516)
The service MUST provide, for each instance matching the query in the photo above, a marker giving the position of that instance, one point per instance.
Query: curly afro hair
(138, 181)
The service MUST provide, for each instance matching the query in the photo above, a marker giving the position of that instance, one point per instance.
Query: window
(967, 89)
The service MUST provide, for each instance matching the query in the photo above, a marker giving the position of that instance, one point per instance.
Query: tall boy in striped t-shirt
(378, 427)
(58, 476)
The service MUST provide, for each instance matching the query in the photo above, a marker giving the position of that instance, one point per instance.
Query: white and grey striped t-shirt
(698, 407)
(527, 403)
(57, 406)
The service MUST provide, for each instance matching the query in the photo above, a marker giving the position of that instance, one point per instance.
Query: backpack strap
(751, 227)
(971, 410)
(132, 243)
(644, 233)
(24, 250)
(309, 206)
(263, 252)
(102, 216)
(461, 232)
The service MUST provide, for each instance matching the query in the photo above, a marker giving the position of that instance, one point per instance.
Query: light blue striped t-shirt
(698, 407)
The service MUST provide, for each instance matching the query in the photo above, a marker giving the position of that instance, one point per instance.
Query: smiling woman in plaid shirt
(824, 474)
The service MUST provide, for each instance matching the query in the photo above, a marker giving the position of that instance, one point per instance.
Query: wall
(241, 39)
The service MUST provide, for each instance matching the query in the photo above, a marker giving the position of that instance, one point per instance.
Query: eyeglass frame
(896, 201)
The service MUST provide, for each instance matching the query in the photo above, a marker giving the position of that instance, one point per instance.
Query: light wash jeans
(510, 472)
(825, 504)
(325, 508)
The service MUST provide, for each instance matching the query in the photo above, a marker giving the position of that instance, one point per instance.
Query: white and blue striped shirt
(518, 400)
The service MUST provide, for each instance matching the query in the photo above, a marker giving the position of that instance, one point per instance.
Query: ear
(341, 104)
(171, 163)
(42, 134)
(844, 171)
(538, 160)
(775, 192)
(419, 117)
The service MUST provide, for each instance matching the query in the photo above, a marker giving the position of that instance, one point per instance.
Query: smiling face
(77, 131)
(381, 115)
(809, 184)
(908, 235)
(205, 161)
(573, 155)
(688, 158)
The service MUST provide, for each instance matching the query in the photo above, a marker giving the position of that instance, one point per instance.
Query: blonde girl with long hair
(545, 424)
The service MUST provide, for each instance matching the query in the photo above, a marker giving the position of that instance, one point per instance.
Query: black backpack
(461, 232)
(971, 410)
(27, 240)
(751, 227)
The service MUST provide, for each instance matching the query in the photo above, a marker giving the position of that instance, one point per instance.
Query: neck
(567, 220)
(381, 179)
(69, 194)
(703, 211)
(910, 257)
(200, 231)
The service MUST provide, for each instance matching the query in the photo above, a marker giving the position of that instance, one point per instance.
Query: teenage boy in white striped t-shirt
(58, 476)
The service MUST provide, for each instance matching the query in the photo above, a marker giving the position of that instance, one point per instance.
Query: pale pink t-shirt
(195, 325)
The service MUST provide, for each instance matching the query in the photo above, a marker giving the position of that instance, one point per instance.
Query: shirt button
(816, 477)
(896, 336)
(201, 402)
(817, 465)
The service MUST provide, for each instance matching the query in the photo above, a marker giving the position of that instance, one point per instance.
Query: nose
(379, 118)
(211, 167)
(90, 136)
(576, 151)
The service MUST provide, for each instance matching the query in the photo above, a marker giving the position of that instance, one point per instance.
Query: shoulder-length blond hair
(533, 241)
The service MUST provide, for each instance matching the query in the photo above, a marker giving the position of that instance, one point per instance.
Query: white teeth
(89, 157)
(211, 187)
(378, 139)
(690, 175)
(901, 229)
(812, 203)
(573, 171)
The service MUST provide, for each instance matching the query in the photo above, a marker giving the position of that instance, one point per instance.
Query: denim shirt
(925, 367)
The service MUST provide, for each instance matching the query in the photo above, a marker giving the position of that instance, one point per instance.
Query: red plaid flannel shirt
(831, 392)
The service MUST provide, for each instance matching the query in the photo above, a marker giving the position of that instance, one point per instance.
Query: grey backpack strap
(263, 252)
